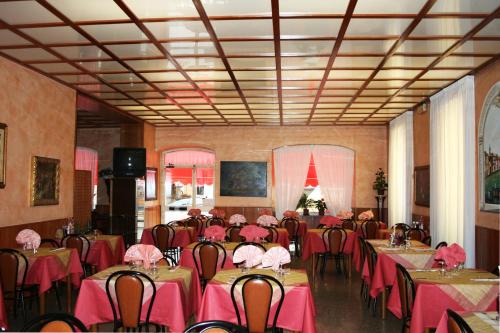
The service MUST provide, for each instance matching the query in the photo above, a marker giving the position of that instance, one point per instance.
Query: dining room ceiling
(254, 62)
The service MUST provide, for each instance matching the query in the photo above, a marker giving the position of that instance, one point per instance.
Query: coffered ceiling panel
(259, 62)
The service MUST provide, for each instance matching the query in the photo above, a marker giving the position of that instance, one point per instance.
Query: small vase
(380, 192)
(305, 212)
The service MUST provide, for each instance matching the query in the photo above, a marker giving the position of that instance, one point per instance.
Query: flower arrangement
(380, 183)
(267, 220)
(237, 219)
(345, 214)
(366, 215)
(194, 212)
(265, 211)
(215, 212)
(291, 214)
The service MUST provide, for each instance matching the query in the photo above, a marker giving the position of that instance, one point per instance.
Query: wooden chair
(215, 221)
(257, 294)
(54, 322)
(233, 234)
(82, 246)
(440, 245)
(427, 240)
(406, 295)
(207, 257)
(50, 243)
(416, 234)
(195, 222)
(292, 226)
(349, 224)
(334, 241)
(13, 269)
(163, 237)
(215, 326)
(456, 324)
(372, 257)
(273, 235)
(128, 299)
(369, 229)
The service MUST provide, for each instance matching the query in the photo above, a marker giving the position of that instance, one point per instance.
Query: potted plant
(304, 203)
(380, 183)
(321, 206)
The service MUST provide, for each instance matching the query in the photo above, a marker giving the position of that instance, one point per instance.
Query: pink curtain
(86, 159)
(189, 157)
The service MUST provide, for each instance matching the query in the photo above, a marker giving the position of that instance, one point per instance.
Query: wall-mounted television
(129, 162)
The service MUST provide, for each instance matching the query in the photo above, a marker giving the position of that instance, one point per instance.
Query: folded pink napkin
(367, 215)
(143, 252)
(267, 220)
(215, 232)
(194, 212)
(276, 256)
(237, 219)
(452, 255)
(458, 252)
(291, 214)
(265, 211)
(29, 238)
(251, 255)
(345, 214)
(217, 212)
(330, 221)
(253, 233)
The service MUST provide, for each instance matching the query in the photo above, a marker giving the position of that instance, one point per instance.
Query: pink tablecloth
(432, 300)
(356, 256)
(313, 243)
(183, 237)
(175, 302)
(483, 319)
(3, 314)
(297, 312)
(48, 266)
(106, 251)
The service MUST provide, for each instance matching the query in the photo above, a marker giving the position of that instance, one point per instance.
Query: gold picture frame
(3, 154)
(44, 181)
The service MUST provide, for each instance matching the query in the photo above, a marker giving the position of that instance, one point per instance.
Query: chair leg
(374, 306)
(58, 298)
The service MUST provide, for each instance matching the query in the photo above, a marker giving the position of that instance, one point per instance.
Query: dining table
(183, 236)
(297, 313)
(463, 290)
(187, 259)
(479, 322)
(105, 251)
(178, 297)
(314, 245)
(48, 265)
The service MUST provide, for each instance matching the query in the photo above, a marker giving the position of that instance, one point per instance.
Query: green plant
(320, 204)
(304, 202)
(380, 183)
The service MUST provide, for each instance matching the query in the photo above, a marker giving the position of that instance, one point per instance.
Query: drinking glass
(442, 269)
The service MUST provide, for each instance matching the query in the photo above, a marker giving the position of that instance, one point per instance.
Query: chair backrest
(207, 256)
(416, 234)
(215, 326)
(349, 224)
(257, 297)
(54, 322)
(129, 292)
(48, 242)
(163, 236)
(167, 261)
(427, 240)
(369, 229)
(291, 225)
(371, 256)
(441, 244)
(233, 234)
(401, 226)
(78, 242)
(215, 220)
(196, 222)
(13, 269)
(406, 290)
(273, 235)
(334, 240)
(456, 324)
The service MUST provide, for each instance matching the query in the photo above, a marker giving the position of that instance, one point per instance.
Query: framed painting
(3, 154)
(44, 181)
(151, 174)
(489, 152)
(422, 186)
(243, 179)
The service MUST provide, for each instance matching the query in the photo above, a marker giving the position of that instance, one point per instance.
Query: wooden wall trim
(152, 216)
(487, 248)
(46, 229)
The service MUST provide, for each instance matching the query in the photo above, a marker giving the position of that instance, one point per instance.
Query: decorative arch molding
(489, 148)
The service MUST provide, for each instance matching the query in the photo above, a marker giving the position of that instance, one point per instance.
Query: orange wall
(40, 115)
(257, 143)
(420, 149)
(484, 80)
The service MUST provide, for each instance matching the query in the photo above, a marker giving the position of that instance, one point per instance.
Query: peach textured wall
(40, 115)
(103, 140)
(420, 148)
(484, 80)
(152, 157)
(257, 143)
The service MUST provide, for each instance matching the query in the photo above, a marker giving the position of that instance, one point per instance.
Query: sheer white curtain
(290, 172)
(335, 169)
(452, 166)
(189, 157)
(400, 169)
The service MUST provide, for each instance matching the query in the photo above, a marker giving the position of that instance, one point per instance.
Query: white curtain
(335, 169)
(400, 169)
(290, 171)
(452, 216)
(189, 157)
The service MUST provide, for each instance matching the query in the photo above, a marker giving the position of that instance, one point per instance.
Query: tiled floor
(339, 306)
